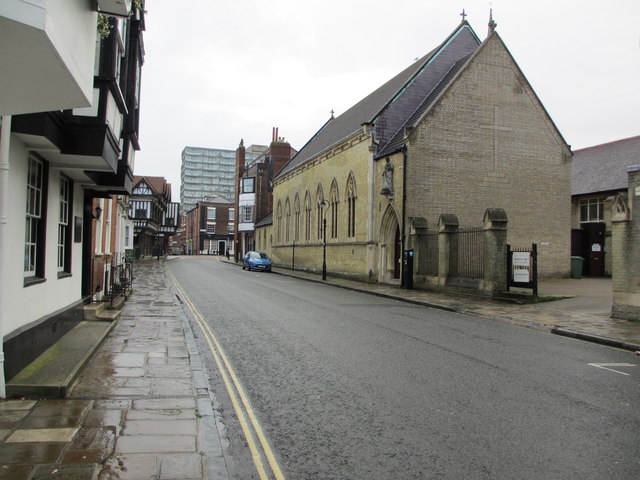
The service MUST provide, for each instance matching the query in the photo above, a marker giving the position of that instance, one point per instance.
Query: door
(397, 254)
(594, 254)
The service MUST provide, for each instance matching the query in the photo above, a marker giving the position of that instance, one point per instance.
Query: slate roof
(389, 107)
(603, 168)
(266, 220)
(397, 141)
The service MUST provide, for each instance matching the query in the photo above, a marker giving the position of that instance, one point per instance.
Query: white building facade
(69, 135)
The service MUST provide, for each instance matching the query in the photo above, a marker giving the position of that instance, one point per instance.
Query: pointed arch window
(333, 203)
(351, 206)
(307, 217)
(296, 219)
(287, 221)
(279, 223)
(319, 211)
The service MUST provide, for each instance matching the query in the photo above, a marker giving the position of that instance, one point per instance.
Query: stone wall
(314, 180)
(489, 142)
(626, 250)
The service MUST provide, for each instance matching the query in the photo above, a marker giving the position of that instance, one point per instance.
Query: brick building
(209, 227)
(254, 191)
(457, 132)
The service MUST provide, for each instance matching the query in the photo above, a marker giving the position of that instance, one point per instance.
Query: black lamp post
(325, 204)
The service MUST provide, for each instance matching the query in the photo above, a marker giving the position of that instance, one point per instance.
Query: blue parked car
(256, 261)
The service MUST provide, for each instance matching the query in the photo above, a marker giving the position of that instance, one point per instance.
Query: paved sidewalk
(142, 408)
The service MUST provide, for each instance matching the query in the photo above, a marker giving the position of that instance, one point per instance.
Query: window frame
(586, 206)
(246, 214)
(65, 214)
(248, 185)
(36, 220)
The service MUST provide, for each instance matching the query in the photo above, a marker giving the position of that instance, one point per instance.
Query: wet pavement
(578, 308)
(143, 408)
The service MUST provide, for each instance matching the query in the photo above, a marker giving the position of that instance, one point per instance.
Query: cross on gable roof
(388, 108)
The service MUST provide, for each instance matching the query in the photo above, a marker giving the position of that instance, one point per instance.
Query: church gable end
(488, 142)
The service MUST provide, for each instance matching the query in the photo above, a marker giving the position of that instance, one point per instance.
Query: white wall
(25, 305)
(50, 50)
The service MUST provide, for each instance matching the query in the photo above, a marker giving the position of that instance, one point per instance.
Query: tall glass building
(210, 171)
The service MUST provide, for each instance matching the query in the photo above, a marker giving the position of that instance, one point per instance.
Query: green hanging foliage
(104, 27)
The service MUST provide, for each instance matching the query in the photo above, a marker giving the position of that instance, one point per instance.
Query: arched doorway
(397, 254)
(390, 248)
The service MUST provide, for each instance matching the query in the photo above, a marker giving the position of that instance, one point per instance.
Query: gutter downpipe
(404, 202)
(5, 134)
(371, 266)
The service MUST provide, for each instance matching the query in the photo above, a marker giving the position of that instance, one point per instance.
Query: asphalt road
(353, 386)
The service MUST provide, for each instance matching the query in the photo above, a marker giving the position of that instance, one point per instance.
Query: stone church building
(457, 132)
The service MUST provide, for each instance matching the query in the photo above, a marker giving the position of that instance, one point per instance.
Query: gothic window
(279, 223)
(351, 206)
(296, 219)
(334, 201)
(287, 220)
(307, 217)
(320, 211)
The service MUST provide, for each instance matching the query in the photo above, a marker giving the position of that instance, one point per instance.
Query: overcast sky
(217, 71)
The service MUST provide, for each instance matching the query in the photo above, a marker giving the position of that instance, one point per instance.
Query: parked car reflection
(256, 261)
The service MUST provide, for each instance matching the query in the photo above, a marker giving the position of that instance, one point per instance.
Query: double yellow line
(251, 427)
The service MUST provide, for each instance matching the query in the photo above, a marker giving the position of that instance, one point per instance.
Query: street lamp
(324, 204)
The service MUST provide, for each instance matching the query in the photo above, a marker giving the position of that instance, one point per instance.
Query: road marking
(235, 390)
(605, 366)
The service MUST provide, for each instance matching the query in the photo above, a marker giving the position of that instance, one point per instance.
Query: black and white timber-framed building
(154, 216)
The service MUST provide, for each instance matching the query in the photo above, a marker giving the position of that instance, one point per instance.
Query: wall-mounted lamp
(97, 214)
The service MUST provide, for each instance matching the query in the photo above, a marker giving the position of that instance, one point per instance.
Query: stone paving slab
(136, 412)
(160, 427)
(156, 444)
(30, 435)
